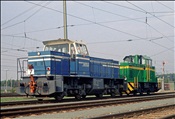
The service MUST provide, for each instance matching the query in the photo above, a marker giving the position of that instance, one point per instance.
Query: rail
(36, 109)
(28, 102)
(137, 112)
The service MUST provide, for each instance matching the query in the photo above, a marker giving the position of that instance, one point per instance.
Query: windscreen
(59, 48)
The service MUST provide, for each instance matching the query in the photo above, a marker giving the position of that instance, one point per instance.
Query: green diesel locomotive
(139, 73)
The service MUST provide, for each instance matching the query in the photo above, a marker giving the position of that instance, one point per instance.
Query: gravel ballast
(96, 111)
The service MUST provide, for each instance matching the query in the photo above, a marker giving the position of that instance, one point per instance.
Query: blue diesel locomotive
(64, 68)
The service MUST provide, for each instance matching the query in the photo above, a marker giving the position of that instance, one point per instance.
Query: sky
(111, 30)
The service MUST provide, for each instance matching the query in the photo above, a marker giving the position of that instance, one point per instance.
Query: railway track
(30, 102)
(135, 114)
(39, 109)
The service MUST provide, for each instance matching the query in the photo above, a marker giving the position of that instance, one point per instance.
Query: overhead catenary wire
(47, 3)
(94, 14)
(12, 55)
(24, 19)
(158, 32)
(19, 14)
(87, 20)
(152, 8)
(123, 16)
(10, 44)
(161, 52)
(74, 25)
(165, 5)
(165, 12)
(104, 22)
(151, 14)
(18, 49)
(108, 12)
(22, 37)
(147, 24)
(113, 28)
(129, 40)
(161, 46)
(120, 15)
(122, 6)
(95, 23)
(54, 28)
(84, 20)
(16, 45)
(12, 25)
(133, 8)
(109, 41)
(145, 39)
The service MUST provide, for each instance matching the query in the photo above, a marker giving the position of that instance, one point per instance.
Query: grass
(12, 99)
(24, 98)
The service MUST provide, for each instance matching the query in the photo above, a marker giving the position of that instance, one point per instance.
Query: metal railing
(22, 67)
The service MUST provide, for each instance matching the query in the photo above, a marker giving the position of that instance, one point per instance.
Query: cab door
(73, 67)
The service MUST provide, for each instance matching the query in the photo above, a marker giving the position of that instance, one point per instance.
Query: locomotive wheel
(58, 98)
(113, 95)
(134, 93)
(121, 94)
(40, 99)
(99, 95)
(141, 93)
(78, 97)
(83, 96)
(148, 92)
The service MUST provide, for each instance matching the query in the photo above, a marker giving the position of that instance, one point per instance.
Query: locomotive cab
(66, 46)
(79, 56)
(138, 59)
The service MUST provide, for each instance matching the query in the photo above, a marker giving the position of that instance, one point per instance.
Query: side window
(64, 50)
(81, 48)
(129, 59)
(72, 49)
(132, 60)
(54, 49)
(150, 62)
(140, 59)
(143, 61)
(51, 49)
(78, 48)
(46, 49)
(85, 50)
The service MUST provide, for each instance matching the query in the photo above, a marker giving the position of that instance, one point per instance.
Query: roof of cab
(147, 57)
(60, 41)
(144, 56)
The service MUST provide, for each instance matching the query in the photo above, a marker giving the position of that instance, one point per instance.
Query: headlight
(48, 70)
(39, 53)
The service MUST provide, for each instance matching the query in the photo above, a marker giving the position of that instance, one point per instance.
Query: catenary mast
(65, 19)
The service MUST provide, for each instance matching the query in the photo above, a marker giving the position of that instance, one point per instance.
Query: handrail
(21, 67)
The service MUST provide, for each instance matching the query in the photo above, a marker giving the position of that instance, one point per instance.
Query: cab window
(128, 59)
(81, 49)
(59, 48)
(72, 49)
